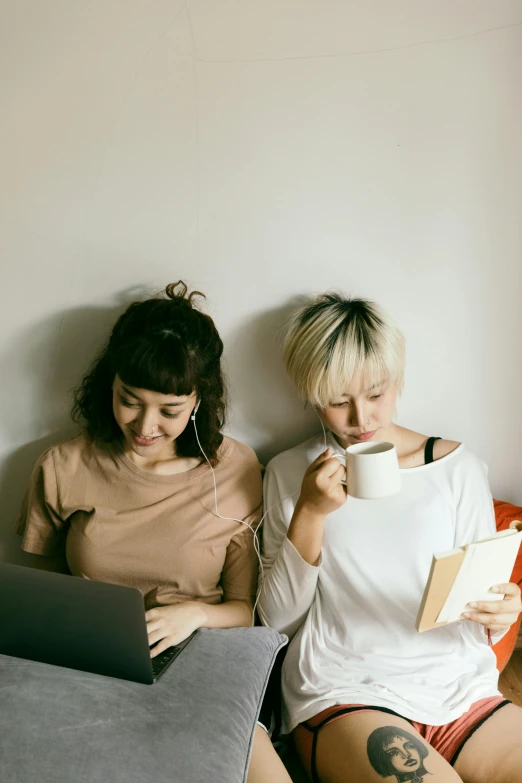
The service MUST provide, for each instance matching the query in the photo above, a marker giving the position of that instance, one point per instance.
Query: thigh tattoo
(394, 751)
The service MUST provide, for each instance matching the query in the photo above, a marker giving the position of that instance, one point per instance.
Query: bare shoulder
(411, 448)
(442, 447)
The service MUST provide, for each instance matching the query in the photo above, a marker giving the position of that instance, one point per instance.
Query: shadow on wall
(51, 358)
(266, 413)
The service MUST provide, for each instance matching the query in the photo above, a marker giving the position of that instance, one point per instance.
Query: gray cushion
(192, 726)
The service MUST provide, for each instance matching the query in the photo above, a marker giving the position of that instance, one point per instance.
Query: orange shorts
(448, 740)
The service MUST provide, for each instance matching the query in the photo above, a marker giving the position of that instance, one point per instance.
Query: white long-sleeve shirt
(352, 617)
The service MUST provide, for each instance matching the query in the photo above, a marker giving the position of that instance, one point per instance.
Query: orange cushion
(506, 513)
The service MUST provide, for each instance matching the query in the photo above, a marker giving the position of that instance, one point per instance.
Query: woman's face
(150, 421)
(363, 413)
(403, 755)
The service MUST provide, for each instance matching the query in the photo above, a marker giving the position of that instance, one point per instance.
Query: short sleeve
(40, 523)
(240, 571)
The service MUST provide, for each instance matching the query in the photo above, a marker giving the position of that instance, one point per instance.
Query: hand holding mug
(322, 490)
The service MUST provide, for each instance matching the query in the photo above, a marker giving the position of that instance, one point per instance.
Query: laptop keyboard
(160, 661)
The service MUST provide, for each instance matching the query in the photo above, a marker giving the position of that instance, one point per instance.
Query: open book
(467, 574)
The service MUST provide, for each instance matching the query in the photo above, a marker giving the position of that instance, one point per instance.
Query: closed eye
(127, 403)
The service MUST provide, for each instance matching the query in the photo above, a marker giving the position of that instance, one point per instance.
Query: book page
(485, 564)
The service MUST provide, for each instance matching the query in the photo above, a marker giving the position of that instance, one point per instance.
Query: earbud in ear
(196, 406)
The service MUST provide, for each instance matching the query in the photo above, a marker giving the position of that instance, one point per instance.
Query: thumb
(323, 457)
(318, 461)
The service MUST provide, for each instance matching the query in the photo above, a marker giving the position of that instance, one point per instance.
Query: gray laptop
(78, 623)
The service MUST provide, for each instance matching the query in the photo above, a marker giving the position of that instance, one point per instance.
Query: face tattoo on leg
(393, 751)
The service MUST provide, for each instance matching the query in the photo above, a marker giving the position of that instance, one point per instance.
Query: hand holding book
(471, 583)
(497, 615)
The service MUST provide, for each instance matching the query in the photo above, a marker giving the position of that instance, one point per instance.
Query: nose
(147, 422)
(357, 414)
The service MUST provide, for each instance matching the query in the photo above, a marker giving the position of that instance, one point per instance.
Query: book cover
(466, 574)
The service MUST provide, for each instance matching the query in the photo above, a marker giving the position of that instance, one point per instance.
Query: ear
(196, 406)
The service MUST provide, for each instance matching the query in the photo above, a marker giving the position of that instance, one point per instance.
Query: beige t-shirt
(118, 523)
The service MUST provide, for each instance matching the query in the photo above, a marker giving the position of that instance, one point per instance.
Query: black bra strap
(428, 450)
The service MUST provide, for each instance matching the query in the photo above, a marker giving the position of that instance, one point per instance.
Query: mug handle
(342, 460)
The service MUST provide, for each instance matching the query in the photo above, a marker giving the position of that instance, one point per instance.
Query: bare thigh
(493, 754)
(372, 746)
(265, 764)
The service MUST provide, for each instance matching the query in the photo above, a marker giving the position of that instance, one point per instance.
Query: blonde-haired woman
(365, 695)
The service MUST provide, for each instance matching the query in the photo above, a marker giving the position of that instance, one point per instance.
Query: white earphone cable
(255, 530)
(324, 431)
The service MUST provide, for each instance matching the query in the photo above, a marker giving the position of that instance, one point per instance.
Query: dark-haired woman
(131, 499)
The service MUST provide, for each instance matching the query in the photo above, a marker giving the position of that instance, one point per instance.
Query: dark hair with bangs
(166, 345)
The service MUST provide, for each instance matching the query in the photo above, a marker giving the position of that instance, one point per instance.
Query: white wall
(262, 150)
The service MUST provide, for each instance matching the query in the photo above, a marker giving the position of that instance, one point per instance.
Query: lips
(140, 441)
(365, 435)
(410, 763)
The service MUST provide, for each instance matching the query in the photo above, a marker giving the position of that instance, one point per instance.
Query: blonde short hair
(332, 340)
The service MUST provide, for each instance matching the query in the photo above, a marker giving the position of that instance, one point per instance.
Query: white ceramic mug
(372, 470)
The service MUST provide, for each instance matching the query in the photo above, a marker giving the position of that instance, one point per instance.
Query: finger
(339, 477)
(487, 619)
(507, 605)
(319, 461)
(160, 647)
(492, 607)
(177, 637)
(156, 636)
(332, 468)
(153, 625)
(170, 641)
(152, 614)
(509, 589)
